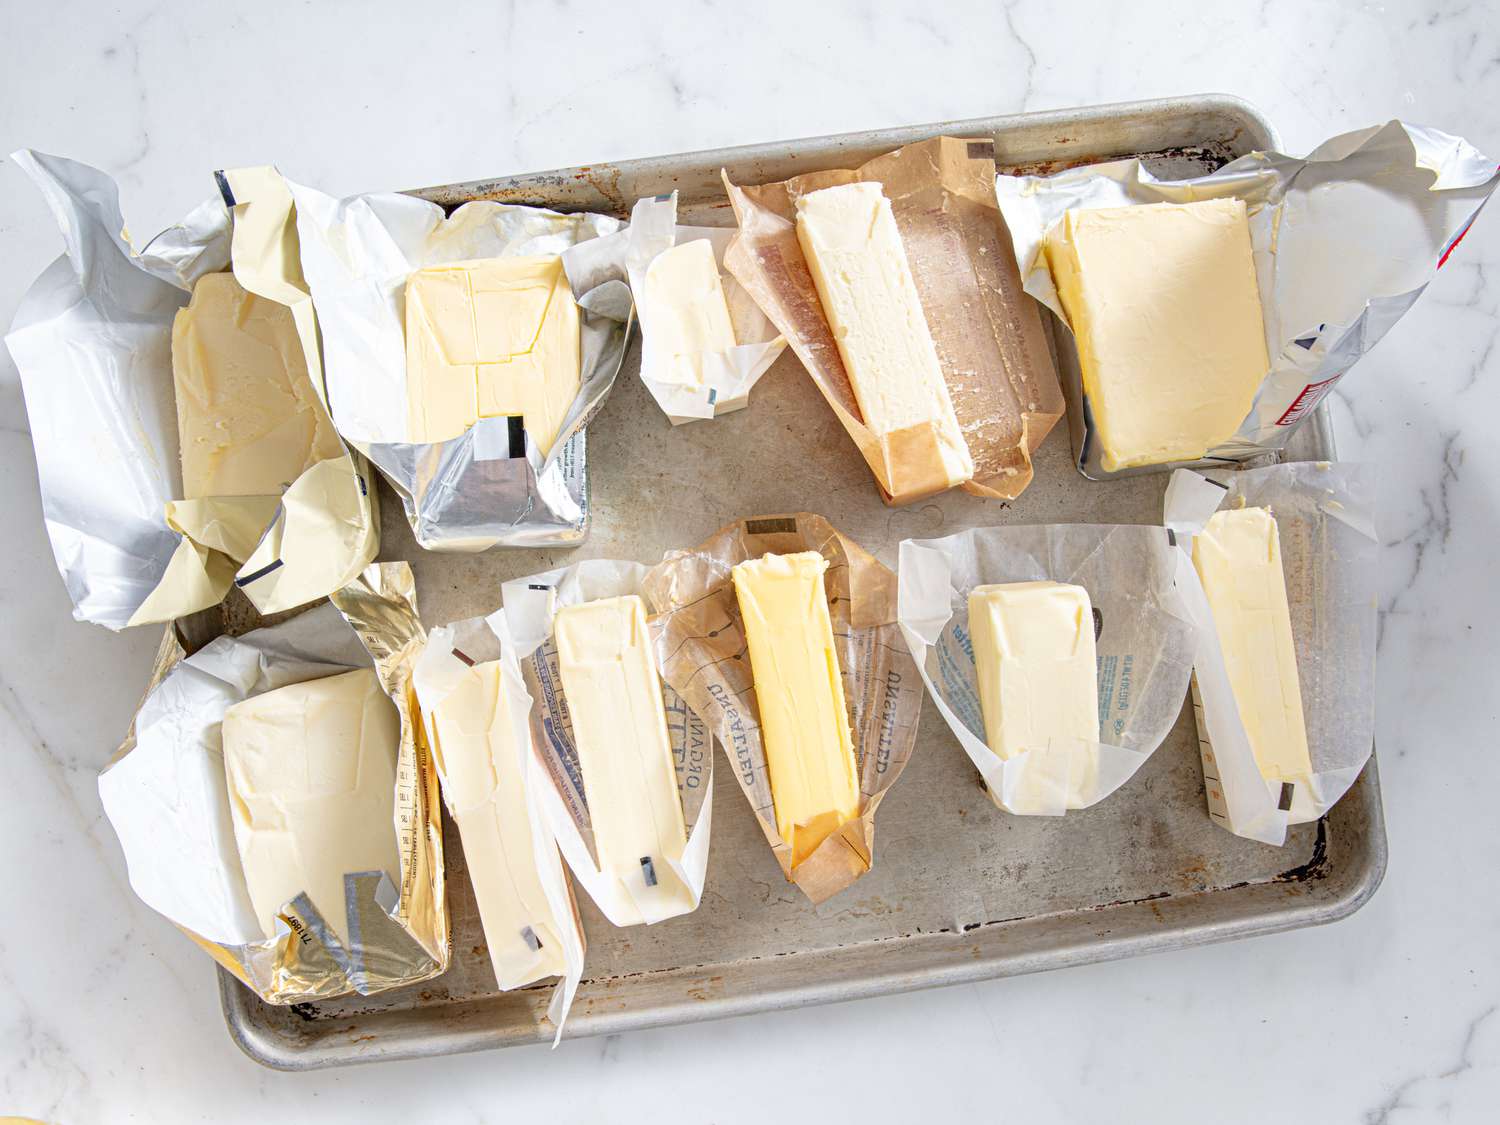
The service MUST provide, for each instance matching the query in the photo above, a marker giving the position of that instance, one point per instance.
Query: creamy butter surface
(311, 769)
(689, 313)
(800, 695)
(1166, 313)
(249, 422)
(495, 337)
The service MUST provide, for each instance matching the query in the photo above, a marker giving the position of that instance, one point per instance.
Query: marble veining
(107, 1013)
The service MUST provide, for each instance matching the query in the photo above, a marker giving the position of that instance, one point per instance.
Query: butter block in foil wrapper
(1344, 241)
(494, 484)
(95, 344)
(168, 796)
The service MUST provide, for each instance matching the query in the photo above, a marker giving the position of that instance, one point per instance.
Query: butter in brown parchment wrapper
(988, 332)
(167, 797)
(702, 653)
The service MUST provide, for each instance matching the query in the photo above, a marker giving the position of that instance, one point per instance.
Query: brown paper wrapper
(988, 331)
(701, 652)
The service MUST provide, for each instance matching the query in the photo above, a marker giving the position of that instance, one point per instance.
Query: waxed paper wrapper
(490, 486)
(1145, 640)
(166, 796)
(1325, 518)
(1345, 240)
(704, 656)
(93, 343)
(525, 627)
(988, 333)
(450, 651)
(729, 375)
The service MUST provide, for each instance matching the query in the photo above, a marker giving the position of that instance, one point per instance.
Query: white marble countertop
(1393, 1015)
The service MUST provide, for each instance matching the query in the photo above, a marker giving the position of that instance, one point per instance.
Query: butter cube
(311, 769)
(492, 338)
(864, 281)
(613, 694)
(248, 419)
(1035, 663)
(800, 693)
(684, 298)
(1238, 558)
(1167, 316)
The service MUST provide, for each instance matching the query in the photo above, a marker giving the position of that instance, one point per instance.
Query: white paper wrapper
(1329, 553)
(728, 375)
(93, 343)
(1145, 644)
(490, 486)
(437, 672)
(1345, 240)
(524, 627)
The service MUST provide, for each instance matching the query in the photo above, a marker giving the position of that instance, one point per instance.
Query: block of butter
(311, 769)
(496, 337)
(1166, 313)
(475, 744)
(864, 282)
(800, 695)
(1034, 660)
(248, 420)
(614, 698)
(689, 315)
(1238, 558)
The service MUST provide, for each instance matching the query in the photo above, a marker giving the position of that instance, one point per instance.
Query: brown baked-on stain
(1212, 156)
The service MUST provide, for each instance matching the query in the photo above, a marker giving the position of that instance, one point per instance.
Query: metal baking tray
(960, 891)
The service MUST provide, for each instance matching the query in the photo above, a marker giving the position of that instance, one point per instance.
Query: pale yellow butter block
(496, 337)
(689, 315)
(249, 422)
(800, 693)
(1167, 316)
(475, 743)
(311, 769)
(864, 282)
(1035, 663)
(1238, 558)
(614, 697)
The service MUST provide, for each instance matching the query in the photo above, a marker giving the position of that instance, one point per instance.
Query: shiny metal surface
(960, 891)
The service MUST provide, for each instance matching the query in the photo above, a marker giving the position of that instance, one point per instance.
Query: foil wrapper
(525, 629)
(1145, 638)
(93, 343)
(1345, 240)
(1330, 557)
(166, 795)
(702, 649)
(491, 486)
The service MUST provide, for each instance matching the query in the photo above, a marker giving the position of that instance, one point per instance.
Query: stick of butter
(248, 419)
(473, 734)
(1167, 316)
(800, 695)
(689, 313)
(492, 338)
(614, 697)
(1238, 558)
(311, 769)
(1034, 659)
(864, 281)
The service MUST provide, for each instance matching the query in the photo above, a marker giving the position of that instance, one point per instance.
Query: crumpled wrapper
(525, 628)
(451, 650)
(1144, 640)
(1345, 240)
(490, 486)
(1325, 517)
(93, 343)
(727, 376)
(166, 796)
(989, 335)
(703, 655)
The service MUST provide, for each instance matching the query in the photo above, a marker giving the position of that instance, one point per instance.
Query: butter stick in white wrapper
(481, 746)
(623, 770)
